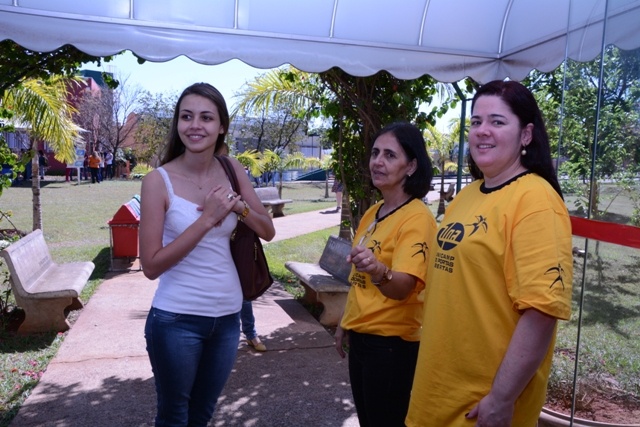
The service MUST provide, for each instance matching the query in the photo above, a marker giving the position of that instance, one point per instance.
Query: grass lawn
(75, 227)
(609, 353)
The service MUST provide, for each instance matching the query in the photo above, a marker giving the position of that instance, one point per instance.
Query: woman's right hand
(217, 205)
(341, 341)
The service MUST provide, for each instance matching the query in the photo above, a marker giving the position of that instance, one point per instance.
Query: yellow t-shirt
(399, 240)
(498, 252)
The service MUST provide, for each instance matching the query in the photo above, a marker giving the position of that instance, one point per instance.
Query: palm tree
(251, 159)
(275, 87)
(43, 106)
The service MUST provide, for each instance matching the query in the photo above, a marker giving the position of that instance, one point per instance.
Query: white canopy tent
(447, 39)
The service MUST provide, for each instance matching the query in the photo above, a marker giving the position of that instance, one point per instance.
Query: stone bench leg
(332, 304)
(44, 315)
(277, 210)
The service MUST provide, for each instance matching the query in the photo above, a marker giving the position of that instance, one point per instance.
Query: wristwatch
(386, 277)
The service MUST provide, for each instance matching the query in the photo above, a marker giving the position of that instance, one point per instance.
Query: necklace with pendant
(200, 186)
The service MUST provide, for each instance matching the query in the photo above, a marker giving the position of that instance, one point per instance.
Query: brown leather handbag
(246, 250)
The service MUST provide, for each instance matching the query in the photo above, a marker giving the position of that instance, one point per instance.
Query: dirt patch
(602, 408)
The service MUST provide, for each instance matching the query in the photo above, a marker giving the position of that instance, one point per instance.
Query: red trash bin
(124, 230)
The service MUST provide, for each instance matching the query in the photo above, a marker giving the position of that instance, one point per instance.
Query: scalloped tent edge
(447, 39)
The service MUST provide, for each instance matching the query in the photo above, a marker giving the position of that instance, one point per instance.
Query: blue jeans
(381, 373)
(191, 357)
(248, 321)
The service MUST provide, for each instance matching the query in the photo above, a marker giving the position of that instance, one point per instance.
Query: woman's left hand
(363, 259)
(490, 413)
(218, 203)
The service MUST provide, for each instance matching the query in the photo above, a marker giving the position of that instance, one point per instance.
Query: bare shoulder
(152, 177)
(153, 183)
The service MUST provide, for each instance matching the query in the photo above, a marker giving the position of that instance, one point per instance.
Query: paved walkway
(101, 375)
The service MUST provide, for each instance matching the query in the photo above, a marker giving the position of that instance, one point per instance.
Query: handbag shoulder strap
(231, 173)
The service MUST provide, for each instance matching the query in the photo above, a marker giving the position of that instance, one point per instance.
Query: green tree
(20, 64)
(357, 108)
(269, 119)
(43, 106)
(155, 113)
(8, 158)
(617, 147)
(109, 115)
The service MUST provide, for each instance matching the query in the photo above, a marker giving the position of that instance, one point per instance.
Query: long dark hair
(522, 103)
(412, 142)
(175, 146)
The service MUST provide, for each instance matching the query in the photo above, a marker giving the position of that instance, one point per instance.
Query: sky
(175, 75)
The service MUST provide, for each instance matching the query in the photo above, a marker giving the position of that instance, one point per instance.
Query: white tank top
(205, 282)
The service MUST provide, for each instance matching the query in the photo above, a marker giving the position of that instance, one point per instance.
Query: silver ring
(230, 196)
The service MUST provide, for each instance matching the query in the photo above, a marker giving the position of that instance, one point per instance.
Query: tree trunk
(326, 184)
(441, 206)
(345, 218)
(35, 189)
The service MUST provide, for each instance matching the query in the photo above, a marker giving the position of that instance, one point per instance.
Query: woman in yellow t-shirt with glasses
(382, 318)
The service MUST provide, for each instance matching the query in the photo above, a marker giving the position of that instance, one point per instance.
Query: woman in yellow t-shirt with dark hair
(382, 319)
(499, 277)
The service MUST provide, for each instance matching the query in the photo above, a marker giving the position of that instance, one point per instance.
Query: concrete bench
(271, 200)
(327, 282)
(41, 287)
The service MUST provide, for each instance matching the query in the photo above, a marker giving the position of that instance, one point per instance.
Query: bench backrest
(334, 256)
(267, 193)
(27, 260)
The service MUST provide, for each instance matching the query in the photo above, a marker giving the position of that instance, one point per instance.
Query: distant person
(42, 163)
(85, 168)
(338, 188)
(101, 172)
(499, 277)
(108, 161)
(94, 167)
(383, 316)
(188, 213)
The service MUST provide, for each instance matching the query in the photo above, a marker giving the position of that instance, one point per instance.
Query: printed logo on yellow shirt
(480, 223)
(559, 271)
(422, 249)
(450, 235)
